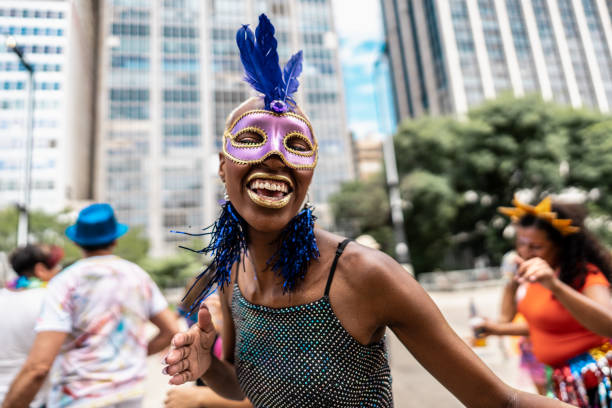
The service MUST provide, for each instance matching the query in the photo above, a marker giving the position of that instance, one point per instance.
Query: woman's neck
(262, 246)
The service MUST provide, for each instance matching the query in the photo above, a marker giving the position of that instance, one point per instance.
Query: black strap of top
(339, 251)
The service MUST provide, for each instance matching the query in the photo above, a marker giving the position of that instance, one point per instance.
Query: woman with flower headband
(563, 290)
(305, 310)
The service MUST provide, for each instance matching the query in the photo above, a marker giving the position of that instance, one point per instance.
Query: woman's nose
(274, 162)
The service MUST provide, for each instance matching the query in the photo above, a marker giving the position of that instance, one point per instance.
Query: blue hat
(96, 225)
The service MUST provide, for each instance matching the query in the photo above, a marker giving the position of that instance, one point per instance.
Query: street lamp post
(24, 207)
(402, 251)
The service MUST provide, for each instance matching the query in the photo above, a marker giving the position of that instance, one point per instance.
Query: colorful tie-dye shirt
(104, 304)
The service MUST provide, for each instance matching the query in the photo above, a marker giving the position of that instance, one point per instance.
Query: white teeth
(271, 185)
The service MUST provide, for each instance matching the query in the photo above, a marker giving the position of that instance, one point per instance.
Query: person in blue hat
(91, 338)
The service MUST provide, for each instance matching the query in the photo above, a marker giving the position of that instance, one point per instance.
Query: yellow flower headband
(543, 211)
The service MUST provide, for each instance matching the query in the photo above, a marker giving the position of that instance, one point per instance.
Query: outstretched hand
(190, 352)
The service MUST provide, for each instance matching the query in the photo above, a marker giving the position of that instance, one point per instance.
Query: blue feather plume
(259, 57)
(292, 70)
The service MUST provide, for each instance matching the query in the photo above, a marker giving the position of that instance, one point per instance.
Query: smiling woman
(306, 309)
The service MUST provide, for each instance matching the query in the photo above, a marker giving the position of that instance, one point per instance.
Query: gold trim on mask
(300, 135)
(246, 145)
(543, 211)
(276, 152)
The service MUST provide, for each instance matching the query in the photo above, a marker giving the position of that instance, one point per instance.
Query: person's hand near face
(536, 270)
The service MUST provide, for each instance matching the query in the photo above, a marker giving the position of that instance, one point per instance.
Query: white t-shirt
(103, 303)
(18, 313)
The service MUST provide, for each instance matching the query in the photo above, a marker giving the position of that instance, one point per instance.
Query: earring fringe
(298, 246)
(228, 241)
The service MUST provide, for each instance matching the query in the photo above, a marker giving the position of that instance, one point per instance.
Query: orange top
(555, 334)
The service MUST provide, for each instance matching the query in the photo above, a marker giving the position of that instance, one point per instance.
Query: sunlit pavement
(412, 385)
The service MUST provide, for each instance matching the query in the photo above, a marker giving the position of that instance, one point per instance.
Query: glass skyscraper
(169, 76)
(448, 55)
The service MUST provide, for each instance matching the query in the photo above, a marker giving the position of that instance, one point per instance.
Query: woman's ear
(42, 272)
(222, 167)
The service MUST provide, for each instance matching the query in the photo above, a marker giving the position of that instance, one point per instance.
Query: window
(140, 30)
(130, 95)
(175, 95)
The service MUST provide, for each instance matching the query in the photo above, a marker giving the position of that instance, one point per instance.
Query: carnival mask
(258, 134)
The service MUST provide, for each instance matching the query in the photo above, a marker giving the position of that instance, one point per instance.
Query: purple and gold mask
(258, 134)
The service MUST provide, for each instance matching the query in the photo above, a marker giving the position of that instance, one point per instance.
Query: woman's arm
(167, 325)
(508, 303)
(504, 329)
(592, 308)
(417, 322)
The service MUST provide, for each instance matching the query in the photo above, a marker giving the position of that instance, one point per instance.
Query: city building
(169, 74)
(57, 39)
(368, 156)
(448, 55)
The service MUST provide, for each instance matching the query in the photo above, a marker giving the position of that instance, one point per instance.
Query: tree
(45, 228)
(362, 207)
(50, 229)
(175, 270)
(455, 173)
(133, 246)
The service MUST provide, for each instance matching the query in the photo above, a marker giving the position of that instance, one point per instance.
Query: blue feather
(266, 45)
(259, 56)
(251, 60)
(292, 70)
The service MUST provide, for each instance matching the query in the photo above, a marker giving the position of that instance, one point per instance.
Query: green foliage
(171, 271)
(363, 208)
(428, 236)
(133, 246)
(44, 228)
(455, 173)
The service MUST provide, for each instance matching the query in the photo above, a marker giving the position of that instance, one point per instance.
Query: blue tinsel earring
(228, 243)
(297, 246)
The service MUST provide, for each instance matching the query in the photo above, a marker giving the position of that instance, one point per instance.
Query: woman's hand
(483, 327)
(190, 352)
(200, 397)
(536, 270)
(187, 397)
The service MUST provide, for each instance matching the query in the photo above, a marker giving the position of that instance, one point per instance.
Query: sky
(360, 31)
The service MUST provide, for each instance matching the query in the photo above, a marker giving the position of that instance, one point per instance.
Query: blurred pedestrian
(20, 304)
(563, 291)
(93, 325)
(510, 320)
(304, 310)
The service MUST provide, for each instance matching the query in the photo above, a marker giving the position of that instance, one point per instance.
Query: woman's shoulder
(594, 276)
(361, 266)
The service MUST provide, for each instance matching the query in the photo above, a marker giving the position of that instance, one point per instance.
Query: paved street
(412, 385)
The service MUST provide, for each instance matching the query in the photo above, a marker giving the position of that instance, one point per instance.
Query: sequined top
(301, 356)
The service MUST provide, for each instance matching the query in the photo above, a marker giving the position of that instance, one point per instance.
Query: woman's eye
(299, 144)
(249, 138)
